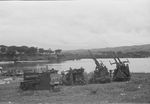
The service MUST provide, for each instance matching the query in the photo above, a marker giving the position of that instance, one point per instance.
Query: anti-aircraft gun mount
(101, 74)
(122, 72)
(73, 77)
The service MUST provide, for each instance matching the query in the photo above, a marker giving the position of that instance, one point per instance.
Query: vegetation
(34, 53)
(135, 91)
(140, 51)
(13, 53)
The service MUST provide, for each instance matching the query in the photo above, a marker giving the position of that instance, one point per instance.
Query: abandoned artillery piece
(122, 72)
(40, 81)
(73, 77)
(101, 74)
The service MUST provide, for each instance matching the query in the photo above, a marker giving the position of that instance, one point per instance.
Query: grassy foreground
(135, 91)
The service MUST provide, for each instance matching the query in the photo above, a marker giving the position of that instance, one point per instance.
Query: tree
(50, 51)
(11, 53)
(58, 51)
(41, 50)
(3, 49)
(32, 51)
(22, 49)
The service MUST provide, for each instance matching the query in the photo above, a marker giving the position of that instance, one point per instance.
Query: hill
(33, 53)
(136, 51)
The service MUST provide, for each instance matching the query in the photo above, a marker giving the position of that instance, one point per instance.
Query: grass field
(137, 90)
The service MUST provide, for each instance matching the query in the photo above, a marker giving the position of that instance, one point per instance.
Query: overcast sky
(76, 24)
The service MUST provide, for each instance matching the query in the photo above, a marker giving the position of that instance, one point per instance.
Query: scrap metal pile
(50, 79)
(31, 80)
(74, 77)
(40, 81)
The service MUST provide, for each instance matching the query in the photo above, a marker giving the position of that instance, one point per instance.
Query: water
(135, 65)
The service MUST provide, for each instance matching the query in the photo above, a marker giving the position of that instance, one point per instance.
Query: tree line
(15, 51)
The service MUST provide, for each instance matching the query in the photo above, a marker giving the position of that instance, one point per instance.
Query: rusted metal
(101, 74)
(122, 72)
(40, 81)
(74, 77)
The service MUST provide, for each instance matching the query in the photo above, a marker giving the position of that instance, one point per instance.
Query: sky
(75, 24)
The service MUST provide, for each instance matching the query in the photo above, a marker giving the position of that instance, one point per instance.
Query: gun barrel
(94, 58)
(115, 60)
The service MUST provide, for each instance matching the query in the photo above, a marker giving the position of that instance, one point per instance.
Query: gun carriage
(101, 74)
(122, 72)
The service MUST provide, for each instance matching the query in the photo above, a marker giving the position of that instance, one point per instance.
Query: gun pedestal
(121, 73)
(101, 74)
